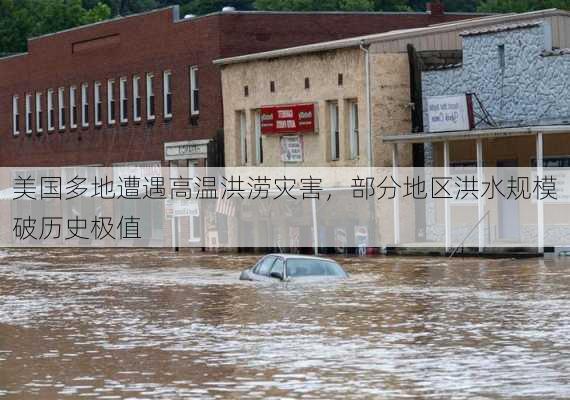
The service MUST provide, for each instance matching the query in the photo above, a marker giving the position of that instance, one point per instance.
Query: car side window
(278, 266)
(264, 266)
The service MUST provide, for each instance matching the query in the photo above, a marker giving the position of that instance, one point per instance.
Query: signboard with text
(292, 148)
(450, 113)
(286, 119)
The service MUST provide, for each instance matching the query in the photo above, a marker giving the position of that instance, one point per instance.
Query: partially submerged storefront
(359, 92)
(504, 111)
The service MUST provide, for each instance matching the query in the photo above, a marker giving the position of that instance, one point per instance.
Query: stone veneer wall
(533, 87)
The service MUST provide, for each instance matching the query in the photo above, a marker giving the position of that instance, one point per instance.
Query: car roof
(300, 257)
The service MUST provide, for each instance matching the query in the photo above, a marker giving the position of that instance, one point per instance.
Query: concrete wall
(532, 88)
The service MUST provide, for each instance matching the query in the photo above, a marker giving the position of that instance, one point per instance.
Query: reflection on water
(152, 324)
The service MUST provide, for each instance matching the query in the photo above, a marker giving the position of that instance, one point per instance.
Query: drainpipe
(365, 47)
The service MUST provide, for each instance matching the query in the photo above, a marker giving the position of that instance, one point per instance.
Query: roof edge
(378, 37)
(175, 17)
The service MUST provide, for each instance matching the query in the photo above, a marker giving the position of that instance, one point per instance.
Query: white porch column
(395, 163)
(315, 227)
(480, 198)
(540, 203)
(446, 200)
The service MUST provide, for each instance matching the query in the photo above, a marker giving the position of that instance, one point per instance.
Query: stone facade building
(516, 79)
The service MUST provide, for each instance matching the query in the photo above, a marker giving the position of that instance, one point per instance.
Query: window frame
(28, 105)
(137, 106)
(85, 105)
(15, 115)
(39, 113)
(60, 108)
(50, 111)
(353, 131)
(167, 93)
(257, 137)
(111, 118)
(194, 89)
(97, 104)
(334, 130)
(243, 137)
(73, 107)
(150, 97)
(123, 100)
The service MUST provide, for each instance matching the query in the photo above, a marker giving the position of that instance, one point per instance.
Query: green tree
(23, 19)
(503, 6)
(315, 5)
(201, 7)
(392, 5)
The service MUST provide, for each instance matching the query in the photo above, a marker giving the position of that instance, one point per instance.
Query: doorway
(509, 218)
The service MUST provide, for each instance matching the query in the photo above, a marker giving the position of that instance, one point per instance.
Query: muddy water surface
(155, 325)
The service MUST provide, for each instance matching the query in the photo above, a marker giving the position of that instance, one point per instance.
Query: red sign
(291, 118)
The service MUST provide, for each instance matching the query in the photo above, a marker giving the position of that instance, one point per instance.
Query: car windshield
(308, 267)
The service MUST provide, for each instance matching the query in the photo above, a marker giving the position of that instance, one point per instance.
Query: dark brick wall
(153, 42)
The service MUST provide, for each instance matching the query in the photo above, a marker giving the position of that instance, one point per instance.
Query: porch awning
(475, 134)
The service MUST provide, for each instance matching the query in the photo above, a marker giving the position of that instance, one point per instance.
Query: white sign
(448, 113)
(292, 148)
(181, 208)
(191, 149)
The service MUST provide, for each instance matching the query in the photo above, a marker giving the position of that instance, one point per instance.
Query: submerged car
(286, 267)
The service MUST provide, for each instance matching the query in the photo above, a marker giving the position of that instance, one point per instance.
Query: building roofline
(500, 28)
(475, 134)
(175, 16)
(10, 56)
(391, 35)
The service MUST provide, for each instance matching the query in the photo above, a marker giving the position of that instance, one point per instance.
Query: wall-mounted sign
(292, 148)
(450, 113)
(291, 118)
(186, 150)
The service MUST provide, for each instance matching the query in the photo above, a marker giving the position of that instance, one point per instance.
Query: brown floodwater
(157, 325)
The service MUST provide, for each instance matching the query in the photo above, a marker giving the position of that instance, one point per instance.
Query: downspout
(365, 47)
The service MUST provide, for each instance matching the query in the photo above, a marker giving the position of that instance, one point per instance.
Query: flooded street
(155, 325)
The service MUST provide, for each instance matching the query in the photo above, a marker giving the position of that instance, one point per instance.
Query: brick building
(126, 90)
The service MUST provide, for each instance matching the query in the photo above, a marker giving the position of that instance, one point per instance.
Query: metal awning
(475, 134)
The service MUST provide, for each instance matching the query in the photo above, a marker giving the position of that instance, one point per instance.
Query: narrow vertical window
(61, 107)
(123, 100)
(334, 132)
(39, 113)
(501, 51)
(50, 110)
(167, 93)
(258, 139)
(15, 116)
(242, 137)
(28, 113)
(73, 107)
(84, 105)
(111, 101)
(194, 91)
(136, 98)
(353, 126)
(150, 97)
(98, 103)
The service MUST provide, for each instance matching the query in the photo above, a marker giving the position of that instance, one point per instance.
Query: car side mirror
(277, 275)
